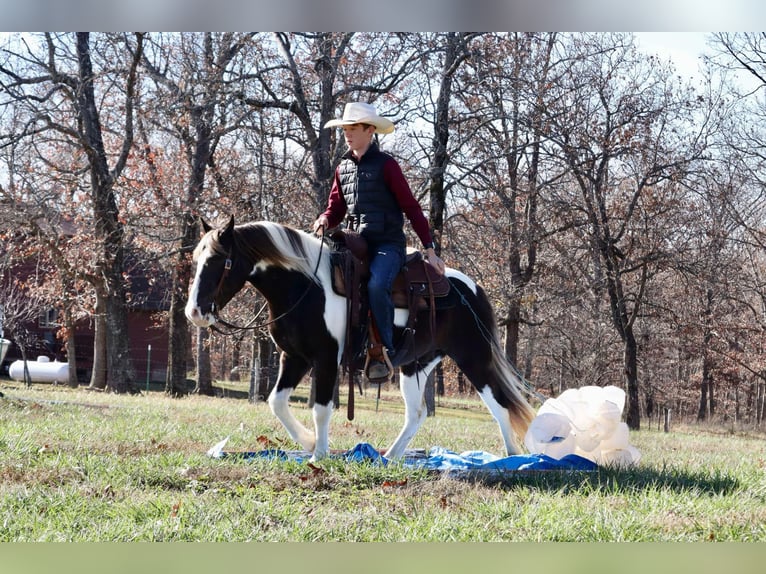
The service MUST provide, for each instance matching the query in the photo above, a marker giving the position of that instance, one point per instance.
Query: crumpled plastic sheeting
(437, 458)
(585, 422)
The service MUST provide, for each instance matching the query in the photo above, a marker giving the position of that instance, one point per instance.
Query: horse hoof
(317, 456)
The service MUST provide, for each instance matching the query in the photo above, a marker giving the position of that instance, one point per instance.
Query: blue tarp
(437, 458)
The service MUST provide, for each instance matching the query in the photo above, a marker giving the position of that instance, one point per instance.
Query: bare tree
(616, 123)
(502, 164)
(56, 86)
(193, 100)
(18, 307)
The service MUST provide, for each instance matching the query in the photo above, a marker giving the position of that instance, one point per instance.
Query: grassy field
(85, 466)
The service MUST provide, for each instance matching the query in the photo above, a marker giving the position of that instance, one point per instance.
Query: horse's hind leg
(291, 371)
(484, 378)
(412, 386)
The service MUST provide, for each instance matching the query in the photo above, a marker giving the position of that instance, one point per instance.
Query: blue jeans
(387, 260)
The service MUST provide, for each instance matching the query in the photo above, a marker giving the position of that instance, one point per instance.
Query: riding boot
(378, 368)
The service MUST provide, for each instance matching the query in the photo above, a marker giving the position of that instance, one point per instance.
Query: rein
(232, 328)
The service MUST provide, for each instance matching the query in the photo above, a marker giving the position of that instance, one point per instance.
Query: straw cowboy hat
(361, 113)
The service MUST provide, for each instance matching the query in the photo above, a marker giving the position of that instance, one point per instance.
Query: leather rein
(233, 328)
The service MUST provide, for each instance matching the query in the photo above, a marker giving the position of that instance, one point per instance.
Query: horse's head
(218, 276)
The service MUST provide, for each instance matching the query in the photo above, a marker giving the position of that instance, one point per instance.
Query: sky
(684, 48)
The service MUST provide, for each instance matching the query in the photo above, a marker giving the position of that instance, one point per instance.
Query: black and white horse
(293, 273)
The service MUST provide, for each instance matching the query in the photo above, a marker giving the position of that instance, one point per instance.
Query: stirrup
(378, 371)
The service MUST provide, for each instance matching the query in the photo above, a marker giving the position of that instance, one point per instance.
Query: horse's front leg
(412, 385)
(325, 375)
(291, 371)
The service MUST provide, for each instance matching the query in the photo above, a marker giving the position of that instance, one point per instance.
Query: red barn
(148, 300)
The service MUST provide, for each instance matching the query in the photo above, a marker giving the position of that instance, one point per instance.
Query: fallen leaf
(266, 442)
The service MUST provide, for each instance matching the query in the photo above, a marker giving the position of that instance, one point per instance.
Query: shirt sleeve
(336, 204)
(396, 182)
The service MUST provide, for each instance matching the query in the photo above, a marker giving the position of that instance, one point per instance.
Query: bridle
(226, 269)
(233, 328)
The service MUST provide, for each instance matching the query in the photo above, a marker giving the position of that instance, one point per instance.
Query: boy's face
(358, 136)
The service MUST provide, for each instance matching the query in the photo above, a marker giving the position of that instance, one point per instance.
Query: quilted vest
(372, 209)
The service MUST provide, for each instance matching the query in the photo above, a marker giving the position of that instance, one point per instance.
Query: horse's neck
(280, 287)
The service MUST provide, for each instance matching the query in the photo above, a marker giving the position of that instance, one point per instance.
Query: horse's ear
(205, 226)
(227, 232)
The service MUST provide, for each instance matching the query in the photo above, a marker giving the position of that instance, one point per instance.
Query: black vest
(372, 208)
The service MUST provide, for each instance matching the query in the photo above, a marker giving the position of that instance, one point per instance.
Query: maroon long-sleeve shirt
(396, 182)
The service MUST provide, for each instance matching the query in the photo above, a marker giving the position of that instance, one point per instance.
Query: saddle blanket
(436, 458)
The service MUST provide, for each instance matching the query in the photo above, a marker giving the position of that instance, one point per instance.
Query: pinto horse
(288, 267)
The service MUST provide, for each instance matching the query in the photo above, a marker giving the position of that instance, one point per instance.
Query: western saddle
(416, 288)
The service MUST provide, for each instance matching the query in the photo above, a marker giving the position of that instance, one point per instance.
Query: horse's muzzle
(198, 318)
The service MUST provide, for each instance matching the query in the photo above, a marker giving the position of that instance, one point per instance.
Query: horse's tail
(513, 387)
(509, 381)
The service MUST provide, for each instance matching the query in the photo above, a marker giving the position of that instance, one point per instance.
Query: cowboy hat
(361, 113)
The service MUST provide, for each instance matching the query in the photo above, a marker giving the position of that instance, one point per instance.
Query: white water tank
(43, 371)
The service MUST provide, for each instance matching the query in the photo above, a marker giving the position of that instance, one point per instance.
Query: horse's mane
(267, 243)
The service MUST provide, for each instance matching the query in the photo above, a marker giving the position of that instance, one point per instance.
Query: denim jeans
(387, 261)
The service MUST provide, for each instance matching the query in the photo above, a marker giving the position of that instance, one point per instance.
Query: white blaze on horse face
(193, 311)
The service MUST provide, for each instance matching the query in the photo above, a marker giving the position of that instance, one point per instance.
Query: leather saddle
(416, 286)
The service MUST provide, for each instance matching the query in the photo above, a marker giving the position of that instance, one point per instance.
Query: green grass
(78, 465)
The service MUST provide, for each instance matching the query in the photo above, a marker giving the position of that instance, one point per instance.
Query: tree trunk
(633, 417)
(429, 395)
(178, 328)
(511, 344)
(108, 227)
(439, 161)
(267, 367)
(27, 376)
(255, 371)
(178, 337)
(204, 375)
(120, 376)
(439, 376)
(705, 387)
(98, 374)
(71, 347)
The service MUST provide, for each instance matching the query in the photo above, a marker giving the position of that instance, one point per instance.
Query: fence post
(148, 365)
(667, 420)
